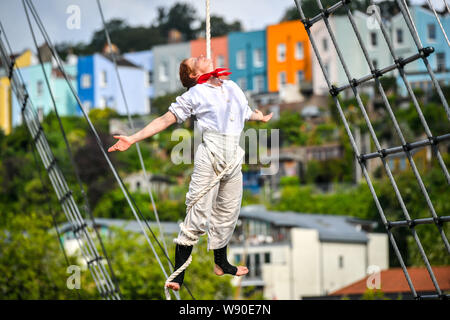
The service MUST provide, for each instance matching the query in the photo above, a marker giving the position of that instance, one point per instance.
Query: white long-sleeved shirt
(221, 108)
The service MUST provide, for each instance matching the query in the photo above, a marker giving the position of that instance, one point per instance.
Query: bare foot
(240, 271)
(173, 285)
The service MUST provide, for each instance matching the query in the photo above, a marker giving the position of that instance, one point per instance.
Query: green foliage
(291, 130)
(161, 104)
(219, 27)
(140, 277)
(358, 202)
(113, 205)
(31, 261)
(373, 294)
(181, 16)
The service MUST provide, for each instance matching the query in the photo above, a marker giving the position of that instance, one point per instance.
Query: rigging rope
(135, 209)
(131, 123)
(382, 153)
(69, 151)
(193, 238)
(50, 208)
(99, 274)
(208, 31)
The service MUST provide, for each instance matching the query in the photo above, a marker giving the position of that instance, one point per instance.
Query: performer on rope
(215, 190)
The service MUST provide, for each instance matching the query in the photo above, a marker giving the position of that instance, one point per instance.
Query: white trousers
(216, 212)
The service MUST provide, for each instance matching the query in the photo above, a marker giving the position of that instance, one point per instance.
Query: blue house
(144, 59)
(247, 56)
(430, 35)
(98, 86)
(39, 94)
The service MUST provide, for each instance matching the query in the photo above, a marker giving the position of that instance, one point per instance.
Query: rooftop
(332, 228)
(127, 225)
(393, 281)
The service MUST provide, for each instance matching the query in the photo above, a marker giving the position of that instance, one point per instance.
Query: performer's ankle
(220, 258)
(182, 253)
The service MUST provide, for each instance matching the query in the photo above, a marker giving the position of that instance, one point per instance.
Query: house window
(40, 88)
(220, 61)
(281, 79)
(257, 265)
(40, 112)
(258, 83)
(242, 82)
(300, 76)
(325, 66)
(150, 77)
(325, 44)
(373, 39)
(431, 28)
(258, 58)
(103, 79)
(240, 59)
(86, 81)
(102, 104)
(391, 164)
(267, 257)
(281, 52)
(163, 72)
(299, 50)
(341, 262)
(375, 63)
(87, 106)
(402, 164)
(440, 61)
(399, 33)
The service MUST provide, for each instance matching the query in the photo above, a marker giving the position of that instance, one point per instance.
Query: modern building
(98, 85)
(248, 60)
(8, 119)
(167, 59)
(292, 255)
(288, 56)
(430, 35)
(144, 59)
(219, 50)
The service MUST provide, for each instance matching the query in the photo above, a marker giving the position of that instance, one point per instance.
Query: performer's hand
(261, 117)
(123, 144)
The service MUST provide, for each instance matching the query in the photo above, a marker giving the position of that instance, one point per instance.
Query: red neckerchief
(216, 73)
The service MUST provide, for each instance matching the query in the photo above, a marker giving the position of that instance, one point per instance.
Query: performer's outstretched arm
(157, 125)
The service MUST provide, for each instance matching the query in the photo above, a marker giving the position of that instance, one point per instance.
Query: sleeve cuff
(179, 119)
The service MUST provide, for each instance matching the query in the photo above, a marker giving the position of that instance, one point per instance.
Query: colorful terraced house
(7, 118)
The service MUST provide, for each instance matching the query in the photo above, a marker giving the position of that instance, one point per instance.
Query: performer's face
(200, 65)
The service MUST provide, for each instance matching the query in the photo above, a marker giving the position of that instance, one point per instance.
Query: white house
(291, 255)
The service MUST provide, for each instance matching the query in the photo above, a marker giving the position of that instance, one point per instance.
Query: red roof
(394, 280)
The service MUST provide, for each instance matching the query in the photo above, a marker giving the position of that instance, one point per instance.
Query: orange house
(288, 55)
(219, 50)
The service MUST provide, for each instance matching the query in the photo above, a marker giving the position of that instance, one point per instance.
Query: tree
(310, 8)
(181, 17)
(31, 262)
(219, 27)
(140, 277)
